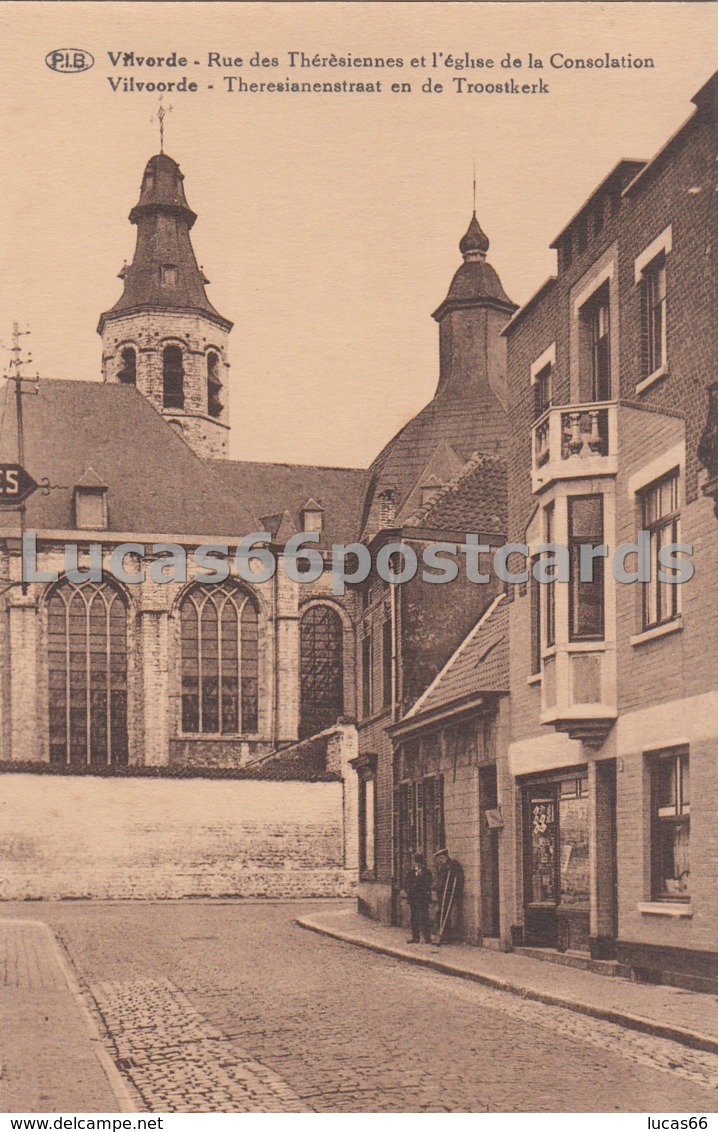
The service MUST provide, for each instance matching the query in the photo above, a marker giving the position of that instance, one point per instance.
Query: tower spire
(163, 335)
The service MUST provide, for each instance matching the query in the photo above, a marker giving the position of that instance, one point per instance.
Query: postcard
(358, 562)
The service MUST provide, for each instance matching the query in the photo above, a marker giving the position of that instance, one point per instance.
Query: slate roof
(479, 665)
(466, 425)
(271, 489)
(163, 220)
(475, 500)
(156, 483)
(89, 432)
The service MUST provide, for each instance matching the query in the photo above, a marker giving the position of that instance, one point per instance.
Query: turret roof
(164, 274)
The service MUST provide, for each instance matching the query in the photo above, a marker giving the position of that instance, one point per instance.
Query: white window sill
(652, 378)
(674, 626)
(535, 679)
(658, 908)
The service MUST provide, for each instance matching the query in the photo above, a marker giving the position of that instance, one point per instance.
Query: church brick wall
(145, 839)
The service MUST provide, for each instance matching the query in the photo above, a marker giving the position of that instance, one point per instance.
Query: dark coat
(418, 885)
(450, 881)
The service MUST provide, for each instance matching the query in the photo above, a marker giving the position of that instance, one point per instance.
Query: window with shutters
(219, 629)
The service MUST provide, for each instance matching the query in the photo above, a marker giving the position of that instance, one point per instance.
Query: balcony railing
(574, 440)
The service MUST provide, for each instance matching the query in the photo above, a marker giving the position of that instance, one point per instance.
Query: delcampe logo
(69, 60)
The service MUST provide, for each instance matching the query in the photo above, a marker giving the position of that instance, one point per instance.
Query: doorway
(556, 862)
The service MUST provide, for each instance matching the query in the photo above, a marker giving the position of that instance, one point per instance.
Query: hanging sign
(16, 485)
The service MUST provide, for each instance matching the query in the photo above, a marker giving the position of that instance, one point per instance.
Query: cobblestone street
(232, 1007)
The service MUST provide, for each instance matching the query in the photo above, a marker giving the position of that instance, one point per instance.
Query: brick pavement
(345, 1029)
(46, 1030)
(177, 1060)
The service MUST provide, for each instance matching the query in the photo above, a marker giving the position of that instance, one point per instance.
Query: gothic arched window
(214, 385)
(172, 378)
(219, 627)
(127, 373)
(87, 674)
(322, 669)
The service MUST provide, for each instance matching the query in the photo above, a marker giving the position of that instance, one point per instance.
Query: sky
(328, 224)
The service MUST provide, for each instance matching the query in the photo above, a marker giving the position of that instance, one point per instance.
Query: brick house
(451, 451)
(614, 700)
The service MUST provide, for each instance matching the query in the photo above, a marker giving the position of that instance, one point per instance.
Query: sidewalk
(667, 1012)
(51, 1056)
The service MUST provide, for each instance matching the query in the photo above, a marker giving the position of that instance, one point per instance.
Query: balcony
(574, 441)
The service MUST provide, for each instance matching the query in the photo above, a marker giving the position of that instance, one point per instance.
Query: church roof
(450, 418)
(81, 432)
(164, 273)
(268, 487)
(156, 483)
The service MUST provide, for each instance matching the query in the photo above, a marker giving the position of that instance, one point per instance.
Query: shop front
(556, 861)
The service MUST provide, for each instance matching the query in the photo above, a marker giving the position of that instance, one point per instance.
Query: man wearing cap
(417, 885)
(449, 891)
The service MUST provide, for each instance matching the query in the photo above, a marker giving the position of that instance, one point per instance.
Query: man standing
(417, 885)
(449, 891)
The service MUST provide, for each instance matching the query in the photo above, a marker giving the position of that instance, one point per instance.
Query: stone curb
(679, 1034)
(125, 1102)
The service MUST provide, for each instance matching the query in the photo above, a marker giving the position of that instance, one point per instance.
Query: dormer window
(312, 516)
(168, 275)
(127, 373)
(90, 499)
(430, 490)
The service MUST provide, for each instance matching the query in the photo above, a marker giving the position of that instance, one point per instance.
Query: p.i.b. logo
(69, 60)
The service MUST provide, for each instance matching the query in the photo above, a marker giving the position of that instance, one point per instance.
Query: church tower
(163, 335)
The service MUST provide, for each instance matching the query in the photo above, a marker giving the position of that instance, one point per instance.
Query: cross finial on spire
(474, 197)
(161, 114)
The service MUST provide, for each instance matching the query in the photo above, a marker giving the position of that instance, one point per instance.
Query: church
(99, 675)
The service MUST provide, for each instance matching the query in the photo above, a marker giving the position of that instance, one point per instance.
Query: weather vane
(161, 114)
(474, 186)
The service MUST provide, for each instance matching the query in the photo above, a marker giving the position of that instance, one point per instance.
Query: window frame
(657, 252)
(366, 674)
(656, 527)
(669, 816)
(549, 604)
(247, 718)
(173, 376)
(653, 300)
(600, 342)
(575, 542)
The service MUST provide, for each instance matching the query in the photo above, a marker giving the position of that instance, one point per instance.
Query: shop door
(556, 867)
(541, 865)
